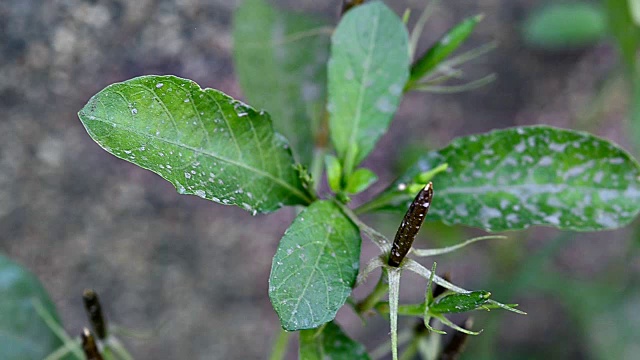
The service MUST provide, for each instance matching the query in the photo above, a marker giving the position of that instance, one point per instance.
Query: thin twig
(94, 313)
(448, 249)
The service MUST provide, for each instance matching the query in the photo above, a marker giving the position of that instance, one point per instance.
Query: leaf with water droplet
(231, 147)
(330, 342)
(368, 68)
(537, 175)
(315, 267)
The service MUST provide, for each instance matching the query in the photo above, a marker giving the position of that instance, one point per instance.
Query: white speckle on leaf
(545, 161)
(159, 85)
(597, 178)
(134, 111)
(348, 75)
(395, 89)
(557, 147)
(384, 105)
(461, 210)
(553, 219)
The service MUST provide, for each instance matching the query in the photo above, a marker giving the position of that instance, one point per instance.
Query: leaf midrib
(324, 243)
(201, 151)
(361, 91)
(489, 188)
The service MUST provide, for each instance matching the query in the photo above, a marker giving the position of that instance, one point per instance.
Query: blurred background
(196, 273)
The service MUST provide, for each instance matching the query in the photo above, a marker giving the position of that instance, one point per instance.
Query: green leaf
(360, 181)
(202, 141)
(565, 25)
(334, 173)
(23, 334)
(280, 58)
(539, 175)
(368, 69)
(315, 267)
(329, 342)
(443, 48)
(461, 302)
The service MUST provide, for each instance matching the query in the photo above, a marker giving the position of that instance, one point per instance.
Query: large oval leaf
(330, 342)
(539, 175)
(281, 61)
(23, 334)
(315, 267)
(368, 69)
(201, 140)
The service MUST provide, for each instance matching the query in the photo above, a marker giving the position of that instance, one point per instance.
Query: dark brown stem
(89, 346)
(94, 313)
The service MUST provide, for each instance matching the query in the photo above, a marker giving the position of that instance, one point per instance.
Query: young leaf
(461, 302)
(280, 58)
(315, 267)
(368, 69)
(360, 181)
(330, 342)
(25, 334)
(442, 49)
(202, 141)
(334, 173)
(539, 175)
(565, 25)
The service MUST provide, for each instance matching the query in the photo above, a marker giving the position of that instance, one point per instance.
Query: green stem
(394, 297)
(405, 310)
(372, 299)
(280, 346)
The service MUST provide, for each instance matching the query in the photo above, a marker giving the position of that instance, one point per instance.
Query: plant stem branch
(280, 346)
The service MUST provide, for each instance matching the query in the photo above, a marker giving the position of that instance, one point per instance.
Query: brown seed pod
(410, 225)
